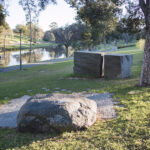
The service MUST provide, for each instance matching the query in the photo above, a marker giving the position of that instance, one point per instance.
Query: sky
(61, 13)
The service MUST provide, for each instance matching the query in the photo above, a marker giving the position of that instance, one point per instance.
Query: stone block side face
(88, 64)
(112, 67)
(126, 64)
(117, 66)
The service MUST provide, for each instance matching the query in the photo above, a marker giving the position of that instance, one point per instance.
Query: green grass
(120, 44)
(27, 46)
(25, 43)
(101, 47)
(24, 38)
(130, 130)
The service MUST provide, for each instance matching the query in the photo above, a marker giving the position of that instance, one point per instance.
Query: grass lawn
(27, 46)
(130, 130)
(120, 44)
(25, 43)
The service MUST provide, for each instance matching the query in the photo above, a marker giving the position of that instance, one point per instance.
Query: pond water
(11, 58)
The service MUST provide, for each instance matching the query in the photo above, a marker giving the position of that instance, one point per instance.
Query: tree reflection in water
(11, 58)
(5, 58)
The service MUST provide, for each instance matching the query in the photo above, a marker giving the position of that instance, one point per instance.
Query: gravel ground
(105, 105)
(9, 112)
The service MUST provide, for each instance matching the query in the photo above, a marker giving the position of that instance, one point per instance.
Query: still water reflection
(11, 58)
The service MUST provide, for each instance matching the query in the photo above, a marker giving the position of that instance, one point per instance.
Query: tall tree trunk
(30, 41)
(5, 47)
(30, 19)
(126, 38)
(90, 47)
(34, 56)
(104, 40)
(67, 50)
(104, 43)
(145, 73)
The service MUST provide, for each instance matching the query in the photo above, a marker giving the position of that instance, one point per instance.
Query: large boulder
(60, 112)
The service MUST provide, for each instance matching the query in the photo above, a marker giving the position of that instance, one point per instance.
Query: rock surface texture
(117, 65)
(60, 112)
(88, 63)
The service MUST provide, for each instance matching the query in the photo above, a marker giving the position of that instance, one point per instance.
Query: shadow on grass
(11, 138)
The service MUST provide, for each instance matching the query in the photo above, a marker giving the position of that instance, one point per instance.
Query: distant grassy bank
(119, 45)
(13, 43)
(27, 46)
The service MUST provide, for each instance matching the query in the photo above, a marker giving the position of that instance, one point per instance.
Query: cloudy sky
(60, 13)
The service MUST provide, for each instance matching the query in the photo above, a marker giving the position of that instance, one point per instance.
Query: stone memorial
(56, 112)
(88, 63)
(117, 65)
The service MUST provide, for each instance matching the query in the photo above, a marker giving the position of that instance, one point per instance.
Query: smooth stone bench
(117, 65)
(88, 63)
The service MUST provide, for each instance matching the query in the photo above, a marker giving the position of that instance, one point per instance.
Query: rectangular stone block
(117, 65)
(88, 63)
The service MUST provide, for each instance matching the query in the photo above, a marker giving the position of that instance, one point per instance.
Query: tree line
(36, 32)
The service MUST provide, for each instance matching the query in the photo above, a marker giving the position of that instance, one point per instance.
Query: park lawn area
(25, 43)
(130, 130)
(120, 44)
(16, 38)
(27, 46)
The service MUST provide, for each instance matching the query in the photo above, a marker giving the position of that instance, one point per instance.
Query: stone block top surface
(89, 52)
(118, 55)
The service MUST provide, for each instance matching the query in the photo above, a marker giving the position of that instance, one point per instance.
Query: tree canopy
(2, 16)
(100, 16)
(69, 35)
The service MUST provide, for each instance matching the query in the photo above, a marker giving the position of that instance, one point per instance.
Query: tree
(145, 73)
(37, 32)
(69, 35)
(32, 9)
(131, 24)
(20, 27)
(134, 21)
(3, 24)
(145, 7)
(3, 12)
(53, 26)
(49, 36)
(129, 27)
(5, 32)
(100, 16)
(2, 16)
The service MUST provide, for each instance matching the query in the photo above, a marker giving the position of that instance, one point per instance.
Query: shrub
(140, 44)
(49, 36)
